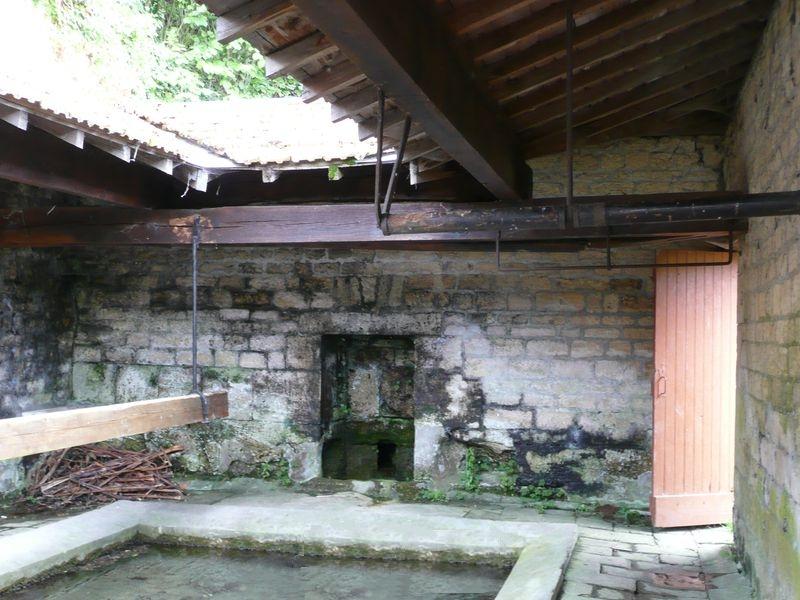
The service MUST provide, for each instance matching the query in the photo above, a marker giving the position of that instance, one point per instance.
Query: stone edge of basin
(539, 551)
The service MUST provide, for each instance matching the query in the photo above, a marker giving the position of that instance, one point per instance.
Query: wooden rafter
(418, 67)
(632, 87)
(249, 17)
(679, 46)
(622, 41)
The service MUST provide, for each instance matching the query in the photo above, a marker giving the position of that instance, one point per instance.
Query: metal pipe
(379, 155)
(608, 265)
(443, 218)
(568, 216)
(195, 369)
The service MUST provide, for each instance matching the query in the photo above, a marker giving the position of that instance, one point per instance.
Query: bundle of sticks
(86, 475)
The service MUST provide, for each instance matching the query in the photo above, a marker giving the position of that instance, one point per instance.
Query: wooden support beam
(296, 55)
(609, 47)
(47, 431)
(39, 159)
(353, 225)
(249, 17)
(404, 47)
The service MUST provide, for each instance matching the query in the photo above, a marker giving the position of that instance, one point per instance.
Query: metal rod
(608, 264)
(568, 216)
(387, 203)
(195, 370)
(379, 156)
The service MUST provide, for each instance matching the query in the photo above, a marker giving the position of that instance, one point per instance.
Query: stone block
(497, 418)
(252, 360)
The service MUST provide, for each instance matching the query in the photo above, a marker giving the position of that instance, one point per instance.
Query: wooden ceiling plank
(354, 103)
(603, 27)
(516, 33)
(331, 80)
(480, 13)
(295, 55)
(636, 58)
(406, 48)
(672, 71)
(671, 98)
(698, 78)
(593, 132)
(248, 17)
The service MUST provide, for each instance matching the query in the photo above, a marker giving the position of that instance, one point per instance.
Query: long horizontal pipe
(617, 211)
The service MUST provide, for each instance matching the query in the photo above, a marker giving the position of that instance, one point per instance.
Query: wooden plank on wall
(44, 432)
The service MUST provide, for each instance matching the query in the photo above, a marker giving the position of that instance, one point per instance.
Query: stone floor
(611, 560)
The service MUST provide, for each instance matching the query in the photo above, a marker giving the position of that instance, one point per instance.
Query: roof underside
(641, 67)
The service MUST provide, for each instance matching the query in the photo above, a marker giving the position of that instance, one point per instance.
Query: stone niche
(368, 407)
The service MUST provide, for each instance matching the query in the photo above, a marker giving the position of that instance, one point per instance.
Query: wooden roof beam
(622, 41)
(39, 159)
(294, 56)
(674, 71)
(599, 124)
(331, 80)
(694, 38)
(249, 17)
(404, 47)
(516, 33)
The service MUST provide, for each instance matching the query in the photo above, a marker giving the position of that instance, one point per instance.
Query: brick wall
(764, 155)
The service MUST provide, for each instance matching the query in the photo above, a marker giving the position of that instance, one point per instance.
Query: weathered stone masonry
(764, 155)
(550, 369)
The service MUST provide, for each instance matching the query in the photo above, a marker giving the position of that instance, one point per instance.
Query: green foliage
(508, 478)
(169, 48)
(426, 495)
(470, 477)
(277, 470)
(631, 516)
(542, 493)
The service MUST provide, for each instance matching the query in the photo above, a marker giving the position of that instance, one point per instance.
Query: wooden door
(694, 390)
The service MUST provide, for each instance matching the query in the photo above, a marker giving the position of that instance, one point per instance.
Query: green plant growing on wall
(469, 477)
(276, 470)
(508, 477)
(436, 496)
(542, 493)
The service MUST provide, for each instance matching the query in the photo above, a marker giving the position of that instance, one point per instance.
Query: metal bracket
(382, 211)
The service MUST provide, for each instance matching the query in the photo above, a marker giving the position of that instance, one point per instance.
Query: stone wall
(548, 368)
(764, 155)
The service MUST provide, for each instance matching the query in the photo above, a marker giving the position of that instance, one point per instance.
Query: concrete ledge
(31, 553)
(323, 526)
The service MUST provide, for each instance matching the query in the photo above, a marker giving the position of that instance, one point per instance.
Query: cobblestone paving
(617, 562)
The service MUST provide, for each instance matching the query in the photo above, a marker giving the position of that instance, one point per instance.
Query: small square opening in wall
(368, 407)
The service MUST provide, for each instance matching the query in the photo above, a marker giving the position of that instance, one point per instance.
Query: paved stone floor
(611, 561)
